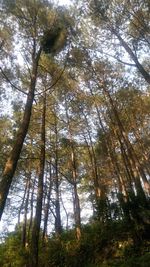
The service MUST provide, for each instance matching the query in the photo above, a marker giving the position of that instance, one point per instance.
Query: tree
(32, 20)
(113, 17)
(39, 201)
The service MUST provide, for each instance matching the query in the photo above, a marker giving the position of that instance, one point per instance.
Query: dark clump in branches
(54, 40)
(57, 33)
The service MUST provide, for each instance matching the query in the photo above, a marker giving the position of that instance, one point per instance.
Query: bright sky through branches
(64, 2)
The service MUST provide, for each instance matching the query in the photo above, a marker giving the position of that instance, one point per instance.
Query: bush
(11, 252)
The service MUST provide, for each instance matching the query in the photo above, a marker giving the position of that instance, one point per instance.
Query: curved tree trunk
(11, 164)
(139, 66)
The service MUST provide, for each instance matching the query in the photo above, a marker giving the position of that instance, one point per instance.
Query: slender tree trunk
(31, 207)
(47, 205)
(24, 227)
(23, 201)
(94, 163)
(120, 134)
(67, 215)
(94, 170)
(128, 149)
(123, 184)
(58, 227)
(11, 164)
(76, 201)
(38, 213)
(141, 69)
(77, 217)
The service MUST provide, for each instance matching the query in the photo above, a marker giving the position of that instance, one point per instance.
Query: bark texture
(11, 164)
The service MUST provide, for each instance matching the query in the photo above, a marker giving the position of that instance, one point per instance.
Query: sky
(64, 2)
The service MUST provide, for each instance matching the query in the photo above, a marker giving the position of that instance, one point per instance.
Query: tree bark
(58, 227)
(31, 206)
(139, 66)
(24, 227)
(47, 204)
(11, 164)
(38, 213)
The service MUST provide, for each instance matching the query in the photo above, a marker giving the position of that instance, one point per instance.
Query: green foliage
(53, 254)
(101, 245)
(12, 252)
(134, 261)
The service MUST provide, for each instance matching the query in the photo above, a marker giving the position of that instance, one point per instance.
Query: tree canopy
(74, 133)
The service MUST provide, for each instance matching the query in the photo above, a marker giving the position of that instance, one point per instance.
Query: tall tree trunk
(24, 227)
(38, 212)
(47, 204)
(141, 69)
(67, 215)
(58, 227)
(31, 206)
(11, 164)
(76, 201)
(23, 201)
(90, 149)
(77, 217)
(130, 159)
(126, 146)
(92, 155)
(100, 191)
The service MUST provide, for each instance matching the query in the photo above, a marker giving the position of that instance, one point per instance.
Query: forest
(75, 133)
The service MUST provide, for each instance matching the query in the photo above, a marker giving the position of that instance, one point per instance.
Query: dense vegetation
(75, 134)
(101, 245)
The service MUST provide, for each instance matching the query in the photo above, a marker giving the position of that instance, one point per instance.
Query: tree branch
(9, 81)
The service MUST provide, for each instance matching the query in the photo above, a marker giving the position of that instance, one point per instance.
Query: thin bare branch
(9, 81)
